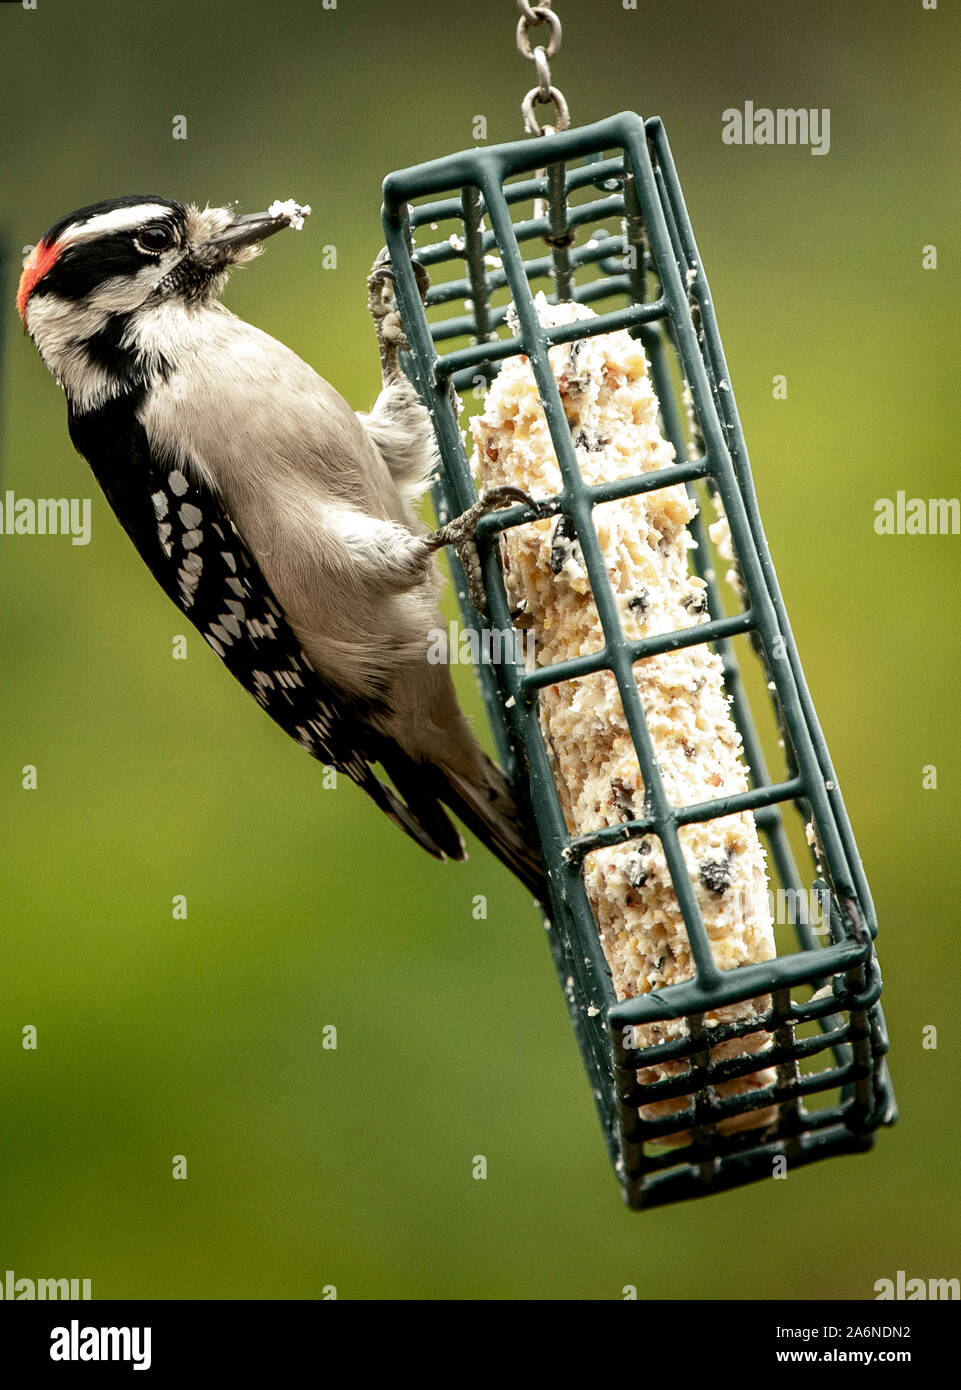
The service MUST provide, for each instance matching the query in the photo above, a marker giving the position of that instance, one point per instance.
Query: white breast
(298, 474)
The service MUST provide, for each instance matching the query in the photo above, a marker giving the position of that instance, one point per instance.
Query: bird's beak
(221, 239)
(249, 230)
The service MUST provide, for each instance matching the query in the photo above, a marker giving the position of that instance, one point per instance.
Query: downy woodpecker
(281, 522)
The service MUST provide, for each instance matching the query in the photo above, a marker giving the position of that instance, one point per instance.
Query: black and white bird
(281, 522)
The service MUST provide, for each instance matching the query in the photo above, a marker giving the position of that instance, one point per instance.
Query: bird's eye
(155, 238)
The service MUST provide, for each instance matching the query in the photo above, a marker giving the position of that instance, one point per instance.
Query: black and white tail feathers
(490, 811)
(487, 807)
(197, 556)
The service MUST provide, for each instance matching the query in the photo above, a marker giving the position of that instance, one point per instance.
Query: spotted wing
(198, 557)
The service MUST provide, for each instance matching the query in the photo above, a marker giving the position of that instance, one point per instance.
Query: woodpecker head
(92, 277)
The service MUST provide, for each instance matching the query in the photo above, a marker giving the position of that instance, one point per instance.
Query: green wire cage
(597, 215)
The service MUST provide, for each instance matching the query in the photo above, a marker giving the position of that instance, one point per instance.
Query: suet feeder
(597, 212)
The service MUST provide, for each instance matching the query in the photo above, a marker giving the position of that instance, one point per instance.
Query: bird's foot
(382, 304)
(460, 533)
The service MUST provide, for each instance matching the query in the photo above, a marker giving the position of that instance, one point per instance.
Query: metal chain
(544, 93)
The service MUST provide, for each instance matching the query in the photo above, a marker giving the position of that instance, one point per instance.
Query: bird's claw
(463, 527)
(461, 532)
(383, 269)
(382, 304)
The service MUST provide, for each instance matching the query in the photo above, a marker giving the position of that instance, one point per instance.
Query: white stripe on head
(118, 220)
(61, 327)
(54, 322)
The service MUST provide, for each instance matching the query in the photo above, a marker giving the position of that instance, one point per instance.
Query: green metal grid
(623, 166)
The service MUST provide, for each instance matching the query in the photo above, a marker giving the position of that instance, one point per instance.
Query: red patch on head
(35, 267)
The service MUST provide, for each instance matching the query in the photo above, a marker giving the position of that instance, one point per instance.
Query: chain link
(529, 14)
(542, 15)
(544, 93)
(543, 74)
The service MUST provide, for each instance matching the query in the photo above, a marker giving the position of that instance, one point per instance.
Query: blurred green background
(203, 1037)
